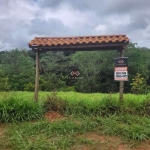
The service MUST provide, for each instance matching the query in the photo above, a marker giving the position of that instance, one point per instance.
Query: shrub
(29, 87)
(54, 103)
(139, 85)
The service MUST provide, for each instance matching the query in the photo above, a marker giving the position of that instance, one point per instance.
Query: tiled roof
(80, 40)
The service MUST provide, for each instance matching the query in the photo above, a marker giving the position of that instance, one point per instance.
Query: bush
(54, 103)
(139, 85)
(29, 87)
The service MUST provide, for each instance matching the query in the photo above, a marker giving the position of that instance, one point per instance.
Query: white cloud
(118, 20)
(15, 16)
(100, 28)
(142, 36)
(21, 20)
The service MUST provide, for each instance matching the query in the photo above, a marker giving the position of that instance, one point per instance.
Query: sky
(22, 20)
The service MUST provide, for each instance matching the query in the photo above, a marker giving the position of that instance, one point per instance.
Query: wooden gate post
(121, 88)
(36, 78)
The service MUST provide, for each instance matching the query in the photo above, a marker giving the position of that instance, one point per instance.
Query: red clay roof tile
(57, 41)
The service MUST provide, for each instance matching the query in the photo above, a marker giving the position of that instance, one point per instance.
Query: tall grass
(20, 106)
(103, 105)
(13, 108)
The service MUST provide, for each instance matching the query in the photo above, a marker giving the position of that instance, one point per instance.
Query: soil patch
(2, 129)
(112, 143)
(53, 116)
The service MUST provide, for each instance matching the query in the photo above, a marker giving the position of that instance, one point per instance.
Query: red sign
(121, 73)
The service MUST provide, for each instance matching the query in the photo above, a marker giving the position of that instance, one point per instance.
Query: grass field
(82, 122)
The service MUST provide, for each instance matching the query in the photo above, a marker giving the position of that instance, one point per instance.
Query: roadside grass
(101, 114)
(105, 104)
(20, 106)
(69, 133)
(74, 96)
(16, 109)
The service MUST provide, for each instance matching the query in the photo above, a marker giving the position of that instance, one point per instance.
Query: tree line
(95, 70)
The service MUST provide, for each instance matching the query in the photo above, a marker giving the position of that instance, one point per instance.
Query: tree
(139, 85)
(18, 68)
(54, 68)
(138, 62)
(3, 82)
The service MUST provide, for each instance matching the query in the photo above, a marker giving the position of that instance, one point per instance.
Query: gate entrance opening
(78, 43)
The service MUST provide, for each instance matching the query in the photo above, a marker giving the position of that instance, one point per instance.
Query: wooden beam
(121, 88)
(81, 46)
(36, 78)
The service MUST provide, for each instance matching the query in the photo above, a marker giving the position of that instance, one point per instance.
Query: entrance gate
(80, 43)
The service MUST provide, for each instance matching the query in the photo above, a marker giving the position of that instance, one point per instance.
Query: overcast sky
(22, 20)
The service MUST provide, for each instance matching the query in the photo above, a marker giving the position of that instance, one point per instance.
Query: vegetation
(19, 106)
(84, 116)
(17, 70)
(14, 109)
(89, 121)
(139, 85)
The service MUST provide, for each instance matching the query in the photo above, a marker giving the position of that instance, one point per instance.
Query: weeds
(103, 115)
(127, 126)
(65, 134)
(55, 103)
(17, 109)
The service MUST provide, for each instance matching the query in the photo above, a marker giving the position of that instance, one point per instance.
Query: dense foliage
(17, 70)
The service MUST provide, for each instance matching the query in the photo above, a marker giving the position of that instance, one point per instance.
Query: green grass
(127, 126)
(15, 108)
(67, 133)
(105, 104)
(57, 135)
(20, 106)
(74, 96)
(101, 114)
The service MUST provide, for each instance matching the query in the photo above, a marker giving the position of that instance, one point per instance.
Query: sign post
(121, 69)
(121, 73)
